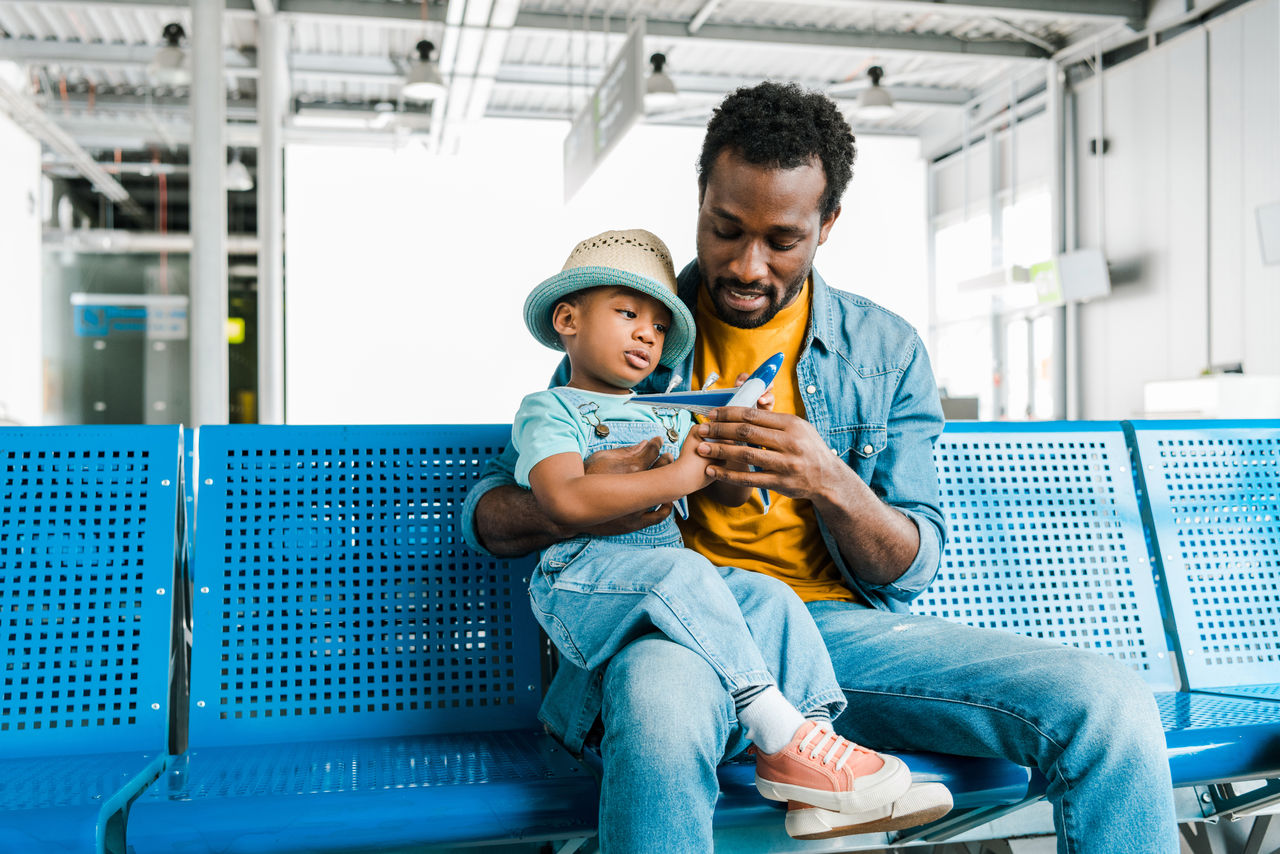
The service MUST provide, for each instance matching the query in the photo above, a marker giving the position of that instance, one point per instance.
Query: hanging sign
(608, 114)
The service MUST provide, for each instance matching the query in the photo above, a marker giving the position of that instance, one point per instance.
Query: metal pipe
(31, 118)
(209, 367)
(105, 241)
(273, 96)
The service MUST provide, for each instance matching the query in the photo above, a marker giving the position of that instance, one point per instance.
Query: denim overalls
(594, 595)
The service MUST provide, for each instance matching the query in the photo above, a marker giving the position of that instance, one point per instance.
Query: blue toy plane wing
(700, 402)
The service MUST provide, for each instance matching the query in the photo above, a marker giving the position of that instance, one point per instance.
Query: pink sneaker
(821, 769)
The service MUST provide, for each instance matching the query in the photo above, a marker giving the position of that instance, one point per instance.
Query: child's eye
(627, 313)
(661, 328)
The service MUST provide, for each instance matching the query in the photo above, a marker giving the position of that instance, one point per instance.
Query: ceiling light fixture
(659, 89)
(875, 102)
(169, 66)
(237, 177)
(423, 82)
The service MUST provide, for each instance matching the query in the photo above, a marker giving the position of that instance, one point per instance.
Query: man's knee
(1109, 697)
(658, 691)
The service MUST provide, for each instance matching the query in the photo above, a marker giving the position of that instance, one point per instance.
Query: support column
(209, 373)
(273, 97)
(1068, 351)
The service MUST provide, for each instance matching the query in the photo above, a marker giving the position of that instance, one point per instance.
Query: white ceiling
(86, 59)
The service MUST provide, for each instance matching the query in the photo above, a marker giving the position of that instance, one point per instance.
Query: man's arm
(505, 519)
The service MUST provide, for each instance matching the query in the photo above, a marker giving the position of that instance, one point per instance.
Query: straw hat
(635, 259)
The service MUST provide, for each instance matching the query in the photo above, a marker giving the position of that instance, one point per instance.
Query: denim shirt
(869, 392)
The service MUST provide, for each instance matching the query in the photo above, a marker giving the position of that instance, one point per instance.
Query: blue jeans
(913, 682)
(594, 597)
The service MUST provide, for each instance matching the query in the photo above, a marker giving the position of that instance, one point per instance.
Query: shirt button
(834, 451)
(867, 449)
(811, 389)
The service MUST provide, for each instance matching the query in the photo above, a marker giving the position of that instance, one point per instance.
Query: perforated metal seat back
(335, 596)
(89, 538)
(1213, 488)
(1045, 539)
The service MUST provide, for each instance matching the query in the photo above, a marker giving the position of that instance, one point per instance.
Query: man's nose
(751, 263)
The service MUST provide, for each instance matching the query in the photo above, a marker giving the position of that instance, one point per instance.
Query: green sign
(613, 108)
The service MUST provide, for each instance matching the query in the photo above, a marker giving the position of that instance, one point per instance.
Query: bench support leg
(573, 845)
(950, 826)
(1227, 804)
(1198, 841)
(1253, 845)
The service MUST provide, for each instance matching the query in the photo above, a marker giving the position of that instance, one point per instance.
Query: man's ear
(563, 319)
(826, 226)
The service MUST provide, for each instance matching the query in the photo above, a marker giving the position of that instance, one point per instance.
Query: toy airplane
(706, 400)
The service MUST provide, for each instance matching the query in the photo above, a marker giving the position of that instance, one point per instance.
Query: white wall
(21, 394)
(406, 273)
(1194, 130)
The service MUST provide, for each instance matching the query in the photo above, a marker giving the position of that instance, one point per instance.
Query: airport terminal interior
(330, 212)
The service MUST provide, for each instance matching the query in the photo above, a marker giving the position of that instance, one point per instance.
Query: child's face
(613, 336)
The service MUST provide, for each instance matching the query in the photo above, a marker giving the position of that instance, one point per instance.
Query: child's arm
(578, 500)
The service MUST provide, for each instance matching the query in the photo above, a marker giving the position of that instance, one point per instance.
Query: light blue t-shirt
(563, 421)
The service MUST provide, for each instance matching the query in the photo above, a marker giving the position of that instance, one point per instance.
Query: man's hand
(792, 458)
(632, 458)
(877, 541)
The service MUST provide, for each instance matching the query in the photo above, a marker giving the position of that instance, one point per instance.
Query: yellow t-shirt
(784, 543)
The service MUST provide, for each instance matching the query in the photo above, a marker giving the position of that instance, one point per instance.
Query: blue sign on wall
(158, 316)
(99, 321)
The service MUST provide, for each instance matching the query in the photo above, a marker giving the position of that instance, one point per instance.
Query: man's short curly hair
(780, 125)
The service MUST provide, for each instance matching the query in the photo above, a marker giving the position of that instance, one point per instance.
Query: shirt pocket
(859, 445)
(868, 440)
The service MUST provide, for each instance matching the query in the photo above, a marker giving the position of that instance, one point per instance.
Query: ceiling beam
(1100, 12)
(383, 70)
(719, 85)
(1085, 11)
(1097, 11)
(388, 14)
(866, 40)
(102, 55)
(27, 115)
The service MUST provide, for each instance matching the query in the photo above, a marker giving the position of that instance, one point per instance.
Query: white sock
(770, 720)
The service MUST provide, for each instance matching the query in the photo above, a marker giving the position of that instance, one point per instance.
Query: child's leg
(601, 597)
(789, 641)
(606, 595)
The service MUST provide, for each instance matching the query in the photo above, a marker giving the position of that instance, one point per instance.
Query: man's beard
(741, 320)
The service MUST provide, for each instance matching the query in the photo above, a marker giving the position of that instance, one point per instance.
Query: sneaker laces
(837, 743)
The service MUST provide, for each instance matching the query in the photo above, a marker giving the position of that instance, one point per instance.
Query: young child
(613, 309)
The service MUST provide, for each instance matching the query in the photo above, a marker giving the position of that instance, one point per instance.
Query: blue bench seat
(90, 546)
(59, 804)
(1046, 539)
(442, 790)
(360, 680)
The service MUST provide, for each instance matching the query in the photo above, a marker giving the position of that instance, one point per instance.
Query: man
(855, 529)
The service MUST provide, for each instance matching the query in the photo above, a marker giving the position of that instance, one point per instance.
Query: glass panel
(1044, 336)
(115, 338)
(1016, 380)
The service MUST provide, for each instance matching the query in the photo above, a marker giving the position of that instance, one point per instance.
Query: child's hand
(689, 466)
(766, 399)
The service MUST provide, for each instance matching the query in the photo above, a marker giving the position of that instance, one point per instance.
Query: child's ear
(563, 319)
